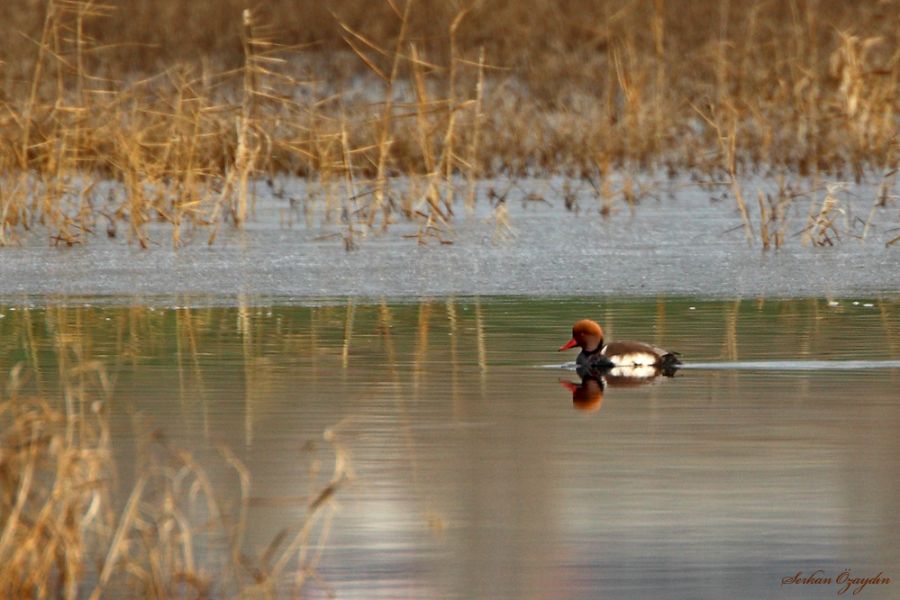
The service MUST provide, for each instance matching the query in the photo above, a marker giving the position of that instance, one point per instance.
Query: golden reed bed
(183, 106)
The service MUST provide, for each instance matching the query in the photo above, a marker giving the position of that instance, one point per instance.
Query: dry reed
(110, 113)
(63, 534)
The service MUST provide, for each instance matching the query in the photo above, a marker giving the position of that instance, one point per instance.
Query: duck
(599, 357)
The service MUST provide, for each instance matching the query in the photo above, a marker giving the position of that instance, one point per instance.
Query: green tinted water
(476, 475)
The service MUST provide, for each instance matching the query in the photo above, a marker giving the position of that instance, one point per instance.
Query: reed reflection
(442, 414)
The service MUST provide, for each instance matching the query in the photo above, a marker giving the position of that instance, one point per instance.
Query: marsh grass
(64, 533)
(115, 116)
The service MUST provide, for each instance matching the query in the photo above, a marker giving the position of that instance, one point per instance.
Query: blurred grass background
(200, 99)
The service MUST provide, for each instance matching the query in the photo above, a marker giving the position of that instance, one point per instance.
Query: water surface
(682, 238)
(475, 475)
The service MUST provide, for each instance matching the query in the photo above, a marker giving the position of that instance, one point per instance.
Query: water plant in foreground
(66, 533)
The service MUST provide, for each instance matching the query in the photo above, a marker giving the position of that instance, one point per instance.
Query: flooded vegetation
(114, 119)
(440, 448)
(282, 287)
(540, 248)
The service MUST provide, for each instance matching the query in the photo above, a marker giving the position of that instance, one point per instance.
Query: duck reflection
(588, 395)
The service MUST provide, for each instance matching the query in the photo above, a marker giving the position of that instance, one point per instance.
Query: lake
(468, 468)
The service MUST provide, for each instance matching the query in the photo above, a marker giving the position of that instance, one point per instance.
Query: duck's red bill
(570, 344)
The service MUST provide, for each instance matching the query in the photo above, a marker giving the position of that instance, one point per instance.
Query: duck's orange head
(586, 334)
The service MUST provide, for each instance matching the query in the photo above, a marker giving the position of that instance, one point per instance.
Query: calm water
(682, 240)
(476, 475)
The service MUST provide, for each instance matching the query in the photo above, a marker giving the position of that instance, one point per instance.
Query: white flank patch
(634, 359)
(638, 372)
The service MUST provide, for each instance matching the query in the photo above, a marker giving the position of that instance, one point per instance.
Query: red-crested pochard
(599, 356)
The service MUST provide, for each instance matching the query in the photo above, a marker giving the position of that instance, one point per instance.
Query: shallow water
(681, 239)
(478, 474)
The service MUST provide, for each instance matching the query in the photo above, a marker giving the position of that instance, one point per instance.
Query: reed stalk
(473, 162)
(384, 138)
(61, 535)
(185, 136)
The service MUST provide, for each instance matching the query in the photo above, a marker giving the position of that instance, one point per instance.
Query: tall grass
(185, 107)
